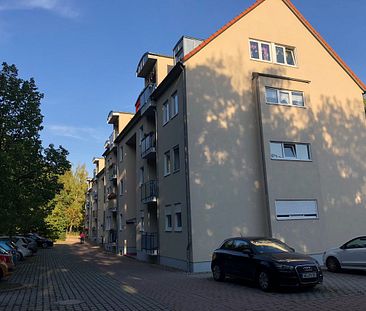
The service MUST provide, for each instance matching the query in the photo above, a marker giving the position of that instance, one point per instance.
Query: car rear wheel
(218, 273)
(264, 281)
(333, 264)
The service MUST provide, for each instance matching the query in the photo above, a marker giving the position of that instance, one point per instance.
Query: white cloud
(80, 133)
(60, 7)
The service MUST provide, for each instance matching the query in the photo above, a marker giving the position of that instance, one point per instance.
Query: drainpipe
(188, 192)
(261, 135)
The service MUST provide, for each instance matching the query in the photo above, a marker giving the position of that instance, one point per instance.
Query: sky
(83, 54)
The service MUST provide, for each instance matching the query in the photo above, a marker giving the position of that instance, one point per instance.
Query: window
(141, 176)
(121, 187)
(240, 245)
(142, 222)
(174, 105)
(290, 151)
(260, 50)
(166, 112)
(121, 153)
(178, 218)
(167, 163)
(290, 210)
(283, 97)
(168, 218)
(141, 134)
(285, 55)
(120, 222)
(176, 159)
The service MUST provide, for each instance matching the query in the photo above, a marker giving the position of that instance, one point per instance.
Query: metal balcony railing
(148, 145)
(149, 191)
(113, 172)
(149, 242)
(144, 99)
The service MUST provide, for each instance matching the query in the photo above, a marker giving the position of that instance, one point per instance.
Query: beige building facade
(255, 131)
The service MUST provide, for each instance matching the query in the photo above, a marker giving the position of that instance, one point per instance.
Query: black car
(267, 261)
(41, 241)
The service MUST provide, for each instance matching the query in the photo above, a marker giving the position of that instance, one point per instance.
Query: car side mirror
(292, 249)
(343, 246)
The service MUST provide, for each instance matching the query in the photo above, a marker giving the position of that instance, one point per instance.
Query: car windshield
(264, 246)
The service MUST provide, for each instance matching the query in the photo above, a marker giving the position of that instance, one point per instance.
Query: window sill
(284, 105)
(178, 230)
(169, 230)
(176, 171)
(166, 174)
(292, 160)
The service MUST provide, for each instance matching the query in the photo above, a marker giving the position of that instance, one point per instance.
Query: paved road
(82, 277)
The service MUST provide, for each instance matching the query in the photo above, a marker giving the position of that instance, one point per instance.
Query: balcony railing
(144, 99)
(149, 243)
(148, 145)
(113, 172)
(149, 191)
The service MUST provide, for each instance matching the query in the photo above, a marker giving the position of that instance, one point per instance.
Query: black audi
(267, 261)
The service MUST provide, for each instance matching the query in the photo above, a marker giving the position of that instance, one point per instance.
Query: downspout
(261, 135)
(157, 176)
(186, 166)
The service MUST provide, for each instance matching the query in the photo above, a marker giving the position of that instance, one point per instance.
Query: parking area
(71, 276)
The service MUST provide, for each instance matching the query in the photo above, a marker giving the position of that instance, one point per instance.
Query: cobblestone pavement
(82, 277)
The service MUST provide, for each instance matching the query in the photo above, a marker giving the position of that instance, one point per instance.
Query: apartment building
(258, 130)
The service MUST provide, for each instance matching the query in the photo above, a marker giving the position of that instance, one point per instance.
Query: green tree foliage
(30, 172)
(68, 205)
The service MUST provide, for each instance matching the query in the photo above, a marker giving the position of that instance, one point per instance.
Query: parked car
(267, 261)
(351, 255)
(7, 258)
(4, 271)
(23, 242)
(11, 250)
(32, 244)
(41, 241)
(20, 249)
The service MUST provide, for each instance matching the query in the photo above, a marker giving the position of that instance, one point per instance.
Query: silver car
(351, 255)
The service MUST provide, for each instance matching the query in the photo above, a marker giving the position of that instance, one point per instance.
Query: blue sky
(83, 53)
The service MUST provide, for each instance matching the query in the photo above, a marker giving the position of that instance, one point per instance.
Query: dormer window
(271, 52)
(260, 50)
(285, 55)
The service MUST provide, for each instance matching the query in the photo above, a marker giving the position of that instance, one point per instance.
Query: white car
(351, 255)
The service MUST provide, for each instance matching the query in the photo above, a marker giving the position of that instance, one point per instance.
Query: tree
(29, 172)
(68, 205)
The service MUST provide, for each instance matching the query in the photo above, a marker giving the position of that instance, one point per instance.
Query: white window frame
(166, 112)
(260, 51)
(285, 48)
(121, 187)
(296, 145)
(178, 210)
(174, 104)
(120, 222)
(289, 92)
(141, 134)
(296, 210)
(272, 50)
(168, 213)
(141, 175)
(167, 163)
(176, 169)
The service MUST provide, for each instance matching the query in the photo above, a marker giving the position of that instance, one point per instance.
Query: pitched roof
(304, 22)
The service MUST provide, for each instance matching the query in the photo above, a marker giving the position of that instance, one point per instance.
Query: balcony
(109, 143)
(113, 173)
(148, 145)
(144, 102)
(149, 243)
(149, 192)
(111, 196)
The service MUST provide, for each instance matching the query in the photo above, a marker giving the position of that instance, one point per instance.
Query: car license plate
(309, 275)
